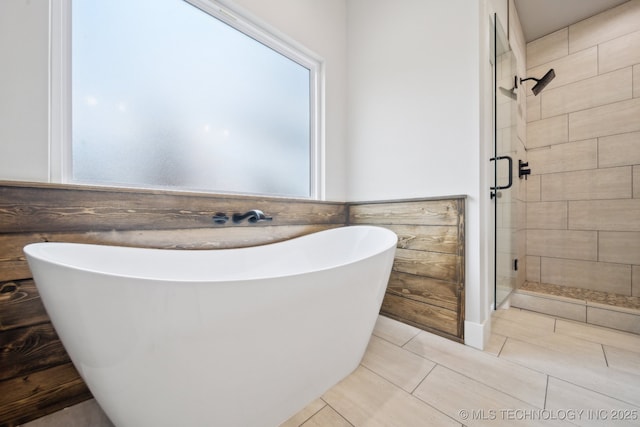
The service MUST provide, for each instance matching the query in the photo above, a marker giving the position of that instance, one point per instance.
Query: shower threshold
(583, 305)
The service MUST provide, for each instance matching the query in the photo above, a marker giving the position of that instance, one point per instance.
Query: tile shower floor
(537, 370)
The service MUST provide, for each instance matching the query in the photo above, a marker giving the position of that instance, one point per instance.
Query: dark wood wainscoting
(426, 288)
(36, 376)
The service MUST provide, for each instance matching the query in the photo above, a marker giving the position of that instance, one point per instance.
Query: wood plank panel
(429, 264)
(421, 315)
(30, 349)
(431, 291)
(13, 265)
(33, 209)
(428, 212)
(20, 305)
(426, 287)
(14, 270)
(29, 397)
(427, 238)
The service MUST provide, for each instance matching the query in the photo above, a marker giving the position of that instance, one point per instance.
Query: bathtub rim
(34, 251)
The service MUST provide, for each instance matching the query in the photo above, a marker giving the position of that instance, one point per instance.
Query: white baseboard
(477, 334)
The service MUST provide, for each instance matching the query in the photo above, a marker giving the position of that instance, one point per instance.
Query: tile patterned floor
(537, 370)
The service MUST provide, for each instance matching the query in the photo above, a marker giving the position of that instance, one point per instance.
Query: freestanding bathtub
(233, 337)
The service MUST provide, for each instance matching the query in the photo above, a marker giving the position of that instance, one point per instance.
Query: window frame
(60, 78)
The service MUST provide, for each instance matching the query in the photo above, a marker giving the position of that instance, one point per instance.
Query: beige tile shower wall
(583, 147)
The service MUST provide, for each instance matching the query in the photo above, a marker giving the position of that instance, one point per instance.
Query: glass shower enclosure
(504, 149)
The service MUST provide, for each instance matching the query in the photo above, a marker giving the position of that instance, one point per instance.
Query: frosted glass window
(165, 95)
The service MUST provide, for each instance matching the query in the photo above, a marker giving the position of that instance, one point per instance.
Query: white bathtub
(233, 337)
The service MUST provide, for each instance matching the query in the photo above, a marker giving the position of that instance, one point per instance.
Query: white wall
(413, 98)
(416, 120)
(24, 90)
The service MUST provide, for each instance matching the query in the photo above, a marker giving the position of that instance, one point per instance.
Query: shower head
(542, 82)
(511, 93)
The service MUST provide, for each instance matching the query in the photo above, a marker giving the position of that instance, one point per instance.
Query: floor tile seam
(603, 329)
(604, 354)
(571, 335)
(390, 381)
(372, 369)
(546, 393)
(315, 413)
(384, 379)
(635, 374)
(596, 340)
(439, 410)
(404, 347)
(582, 385)
(337, 412)
(423, 379)
(421, 355)
(536, 370)
(588, 322)
(415, 335)
(486, 385)
(547, 325)
(446, 341)
(496, 354)
(600, 393)
(608, 347)
(415, 330)
(410, 353)
(595, 359)
(521, 334)
(530, 313)
(529, 329)
(411, 394)
(456, 370)
(391, 342)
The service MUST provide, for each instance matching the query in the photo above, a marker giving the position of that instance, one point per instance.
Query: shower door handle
(494, 190)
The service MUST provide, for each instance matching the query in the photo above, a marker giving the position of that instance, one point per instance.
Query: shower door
(504, 148)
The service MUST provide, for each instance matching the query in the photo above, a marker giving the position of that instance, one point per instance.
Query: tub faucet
(253, 216)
